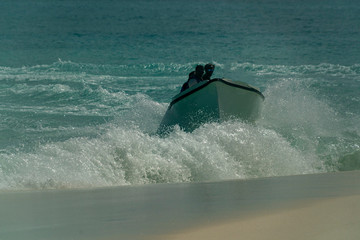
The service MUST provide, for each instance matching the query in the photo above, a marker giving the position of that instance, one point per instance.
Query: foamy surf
(231, 150)
(85, 125)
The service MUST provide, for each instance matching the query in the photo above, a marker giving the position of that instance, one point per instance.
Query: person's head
(209, 69)
(199, 70)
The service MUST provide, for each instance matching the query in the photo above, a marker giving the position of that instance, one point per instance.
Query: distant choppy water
(84, 85)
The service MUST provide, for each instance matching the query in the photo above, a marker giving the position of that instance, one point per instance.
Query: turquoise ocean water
(84, 85)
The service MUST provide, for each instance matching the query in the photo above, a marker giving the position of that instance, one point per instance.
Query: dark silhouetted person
(194, 77)
(209, 69)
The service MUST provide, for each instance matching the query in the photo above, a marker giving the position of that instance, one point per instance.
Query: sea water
(85, 84)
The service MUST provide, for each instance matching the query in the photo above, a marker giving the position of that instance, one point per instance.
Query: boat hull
(214, 100)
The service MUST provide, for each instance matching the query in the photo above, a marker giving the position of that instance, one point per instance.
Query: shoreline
(189, 210)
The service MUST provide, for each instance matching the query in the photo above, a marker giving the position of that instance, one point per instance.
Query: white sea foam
(232, 150)
(92, 129)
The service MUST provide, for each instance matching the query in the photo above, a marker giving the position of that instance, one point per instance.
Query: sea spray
(299, 111)
(68, 125)
(232, 150)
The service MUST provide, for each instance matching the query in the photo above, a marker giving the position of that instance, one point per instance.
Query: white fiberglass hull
(214, 100)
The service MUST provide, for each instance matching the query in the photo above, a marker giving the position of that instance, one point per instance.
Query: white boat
(214, 100)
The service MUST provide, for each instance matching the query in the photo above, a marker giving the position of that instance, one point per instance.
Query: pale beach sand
(330, 219)
(316, 206)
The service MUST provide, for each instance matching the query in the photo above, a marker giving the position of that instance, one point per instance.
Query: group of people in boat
(198, 75)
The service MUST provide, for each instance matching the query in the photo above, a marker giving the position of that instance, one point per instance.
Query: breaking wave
(69, 125)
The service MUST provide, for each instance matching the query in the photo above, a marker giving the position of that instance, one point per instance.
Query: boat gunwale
(225, 81)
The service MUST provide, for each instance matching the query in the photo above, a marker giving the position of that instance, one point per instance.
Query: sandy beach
(331, 219)
(316, 206)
